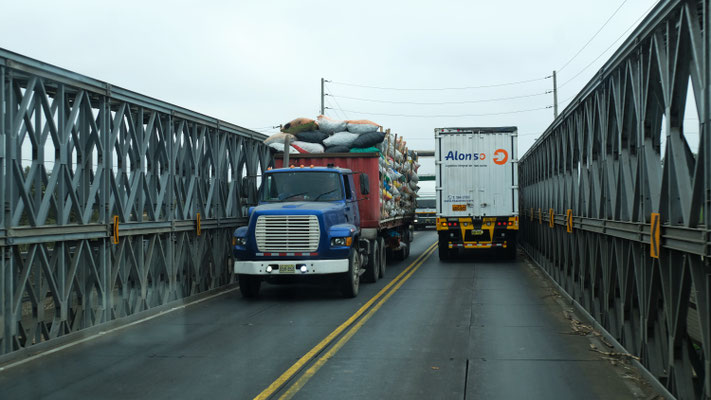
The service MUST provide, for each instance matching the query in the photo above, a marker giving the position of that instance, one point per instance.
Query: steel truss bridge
(617, 204)
(116, 204)
(113, 202)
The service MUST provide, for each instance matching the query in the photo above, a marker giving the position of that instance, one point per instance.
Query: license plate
(287, 268)
(459, 207)
(478, 232)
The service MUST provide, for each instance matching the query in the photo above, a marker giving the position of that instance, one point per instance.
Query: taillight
(510, 222)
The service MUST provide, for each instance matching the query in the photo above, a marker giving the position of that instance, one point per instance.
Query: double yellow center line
(368, 309)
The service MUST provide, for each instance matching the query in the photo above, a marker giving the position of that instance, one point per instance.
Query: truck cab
(426, 212)
(306, 224)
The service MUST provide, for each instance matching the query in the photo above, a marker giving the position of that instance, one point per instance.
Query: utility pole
(322, 95)
(555, 96)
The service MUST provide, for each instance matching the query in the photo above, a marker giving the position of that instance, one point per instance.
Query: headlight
(341, 241)
(241, 241)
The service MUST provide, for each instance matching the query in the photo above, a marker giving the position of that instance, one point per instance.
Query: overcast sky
(259, 63)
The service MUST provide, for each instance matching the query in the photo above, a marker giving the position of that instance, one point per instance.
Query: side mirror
(364, 184)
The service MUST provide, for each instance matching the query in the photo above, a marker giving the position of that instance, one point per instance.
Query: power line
(339, 107)
(448, 115)
(337, 113)
(439, 103)
(608, 48)
(593, 37)
(443, 88)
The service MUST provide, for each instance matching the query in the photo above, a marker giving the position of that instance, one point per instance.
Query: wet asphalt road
(477, 328)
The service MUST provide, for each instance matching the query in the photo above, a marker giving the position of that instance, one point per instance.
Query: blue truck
(320, 219)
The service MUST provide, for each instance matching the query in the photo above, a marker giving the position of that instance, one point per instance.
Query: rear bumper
(476, 245)
(313, 267)
(492, 225)
(425, 219)
(478, 233)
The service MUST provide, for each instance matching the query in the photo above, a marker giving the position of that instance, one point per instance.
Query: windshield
(425, 203)
(302, 186)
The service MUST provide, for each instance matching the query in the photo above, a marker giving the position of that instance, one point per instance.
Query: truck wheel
(443, 250)
(249, 285)
(372, 271)
(351, 279)
(383, 258)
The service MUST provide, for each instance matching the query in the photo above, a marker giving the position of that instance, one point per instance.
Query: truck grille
(287, 233)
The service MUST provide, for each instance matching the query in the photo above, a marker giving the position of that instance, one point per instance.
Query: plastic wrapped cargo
(361, 126)
(330, 125)
(300, 125)
(279, 147)
(311, 136)
(308, 147)
(368, 139)
(279, 138)
(340, 139)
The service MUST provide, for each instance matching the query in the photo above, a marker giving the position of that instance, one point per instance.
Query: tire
(383, 256)
(351, 279)
(404, 252)
(249, 285)
(443, 248)
(372, 270)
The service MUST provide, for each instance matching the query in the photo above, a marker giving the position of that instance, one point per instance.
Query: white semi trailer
(476, 189)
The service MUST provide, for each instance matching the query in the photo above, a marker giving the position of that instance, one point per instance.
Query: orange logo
(500, 157)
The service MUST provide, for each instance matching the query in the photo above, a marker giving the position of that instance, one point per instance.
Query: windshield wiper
(324, 193)
(294, 195)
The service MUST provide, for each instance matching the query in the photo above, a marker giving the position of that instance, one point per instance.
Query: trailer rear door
(476, 172)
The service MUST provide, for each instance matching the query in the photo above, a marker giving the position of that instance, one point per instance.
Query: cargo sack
(369, 139)
(279, 147)
(361, 126)
(308, 147)
(365, 150)
(312, 136)
(337, 149)
(340, 139)
(299, 149)
(300, 125)
(278, 138)
(329, 125)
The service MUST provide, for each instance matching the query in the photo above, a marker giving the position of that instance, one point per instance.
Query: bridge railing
(616, 197)
(113, 202)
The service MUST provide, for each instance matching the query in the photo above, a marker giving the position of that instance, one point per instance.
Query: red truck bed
(368, 163)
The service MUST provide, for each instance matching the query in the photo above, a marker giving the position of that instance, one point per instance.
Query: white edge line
(118, 328)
